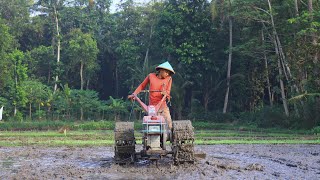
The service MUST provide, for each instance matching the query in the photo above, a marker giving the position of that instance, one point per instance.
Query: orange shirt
(156, 84)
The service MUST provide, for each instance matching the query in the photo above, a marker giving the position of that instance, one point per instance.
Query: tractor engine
(154, 130)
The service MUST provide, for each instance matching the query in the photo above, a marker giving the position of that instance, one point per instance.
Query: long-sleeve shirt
(158, 85)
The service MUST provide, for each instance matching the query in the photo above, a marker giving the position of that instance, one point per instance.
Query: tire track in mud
(222, 162)
(280, 161)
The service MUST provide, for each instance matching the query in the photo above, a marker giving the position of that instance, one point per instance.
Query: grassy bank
(100, 133)
(109, 125)
(105, 138)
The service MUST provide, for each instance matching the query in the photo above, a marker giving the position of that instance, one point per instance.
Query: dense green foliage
(96, 58)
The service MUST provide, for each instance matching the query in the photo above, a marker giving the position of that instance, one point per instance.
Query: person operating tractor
(159, 86)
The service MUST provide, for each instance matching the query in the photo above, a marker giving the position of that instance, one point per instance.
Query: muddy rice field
(221, 162)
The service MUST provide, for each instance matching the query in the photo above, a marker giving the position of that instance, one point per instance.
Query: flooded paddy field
(259, 161)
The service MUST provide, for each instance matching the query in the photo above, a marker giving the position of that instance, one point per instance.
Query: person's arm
(142, 86)
(168, 88)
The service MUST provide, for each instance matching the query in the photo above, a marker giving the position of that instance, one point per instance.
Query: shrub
(311, 114)
(316, 130)
(217, 117)
(266, 117)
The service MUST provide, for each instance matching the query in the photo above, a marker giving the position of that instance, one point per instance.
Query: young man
(160, 85)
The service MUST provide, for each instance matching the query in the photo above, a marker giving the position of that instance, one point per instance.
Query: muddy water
(222, 162)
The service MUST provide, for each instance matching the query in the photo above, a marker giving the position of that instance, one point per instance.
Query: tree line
(246, 61)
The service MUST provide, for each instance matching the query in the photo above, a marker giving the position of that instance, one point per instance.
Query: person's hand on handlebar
(131, 96)
(164, 93)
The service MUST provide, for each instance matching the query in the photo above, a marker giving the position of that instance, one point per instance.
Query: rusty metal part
(183, 142)
(124, 149)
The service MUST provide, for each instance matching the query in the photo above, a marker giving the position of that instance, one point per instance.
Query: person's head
(163, 73)
(165, 70)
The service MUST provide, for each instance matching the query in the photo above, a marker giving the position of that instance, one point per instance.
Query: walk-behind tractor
(155, 135)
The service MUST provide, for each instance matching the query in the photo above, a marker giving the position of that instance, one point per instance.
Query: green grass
(243, 141)
(55, 125)
(237, 134)
(100, 133)
(53, 138)
(105, 138)
(109, 125)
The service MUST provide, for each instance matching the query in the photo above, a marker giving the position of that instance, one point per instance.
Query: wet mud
(221, 162)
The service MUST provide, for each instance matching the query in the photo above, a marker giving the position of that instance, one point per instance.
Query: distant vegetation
(244, 62)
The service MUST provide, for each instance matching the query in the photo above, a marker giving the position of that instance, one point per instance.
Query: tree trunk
(310, 6)
(39, 108)
(49, 73)
(206, 100)
(296, 7)
(117, 83)
(274, 32)
(81, 75)
(58, 45)
(15, 110)
(87, 86)
(146, 58)
(146, 63)
(267, 70)
(284, 63)
(81, 113)
(30, 110)
(82, 84)
(16, 85)
(283, 95)
(314, 35)
(226, 98)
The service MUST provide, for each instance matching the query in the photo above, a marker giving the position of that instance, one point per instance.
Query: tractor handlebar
(145, 107)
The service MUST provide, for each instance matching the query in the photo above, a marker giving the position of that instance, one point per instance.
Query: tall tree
(52, 7)
(225, 7)
(82, 51)
(314, 35)
(16, 15)
(38, 94)
(296, 7)
(19, 75)
(226, 99)
(280, 55)
(6, 46)
(40, 67)
(129, 46)
(185, 33)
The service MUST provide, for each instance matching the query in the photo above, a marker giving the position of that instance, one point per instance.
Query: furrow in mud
(221, 162)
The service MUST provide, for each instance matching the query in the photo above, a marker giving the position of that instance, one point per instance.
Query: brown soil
(222, 162)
